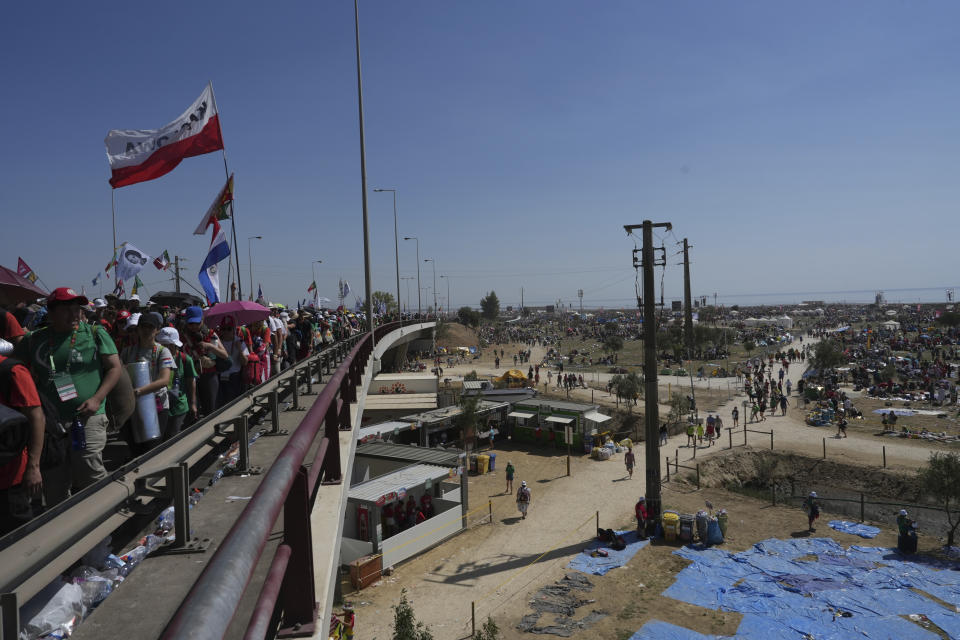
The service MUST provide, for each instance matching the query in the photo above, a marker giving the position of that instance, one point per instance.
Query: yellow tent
(513, 375)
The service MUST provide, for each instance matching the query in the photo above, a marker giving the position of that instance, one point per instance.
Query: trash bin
(483, 463)
(671, 525)
(473, 464)
(702, 521)
(686, 527)
(493, 461)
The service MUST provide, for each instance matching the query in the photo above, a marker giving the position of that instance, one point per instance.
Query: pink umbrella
(242, 312)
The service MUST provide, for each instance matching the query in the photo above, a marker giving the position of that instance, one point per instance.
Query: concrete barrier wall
(409, 543)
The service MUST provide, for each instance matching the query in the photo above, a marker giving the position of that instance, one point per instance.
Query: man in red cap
(75, 365)
(20, 478)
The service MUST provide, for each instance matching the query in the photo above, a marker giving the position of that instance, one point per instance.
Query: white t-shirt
(237, 349)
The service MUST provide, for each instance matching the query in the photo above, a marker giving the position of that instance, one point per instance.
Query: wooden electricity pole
(651, 401)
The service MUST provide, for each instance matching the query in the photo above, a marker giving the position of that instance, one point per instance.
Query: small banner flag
(219, 210)
(162, 262)
(25, 271)
(129, 261)
(219, 251)
(137, 283)
(312, 287)
(96, 280)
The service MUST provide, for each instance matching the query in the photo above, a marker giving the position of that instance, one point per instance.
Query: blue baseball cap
(194, 315)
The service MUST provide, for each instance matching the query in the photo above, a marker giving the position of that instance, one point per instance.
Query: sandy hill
(457, 335)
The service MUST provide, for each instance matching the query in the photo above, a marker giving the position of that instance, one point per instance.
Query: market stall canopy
(559, 419)
(596, 416)
(520, 414)
(15, 289)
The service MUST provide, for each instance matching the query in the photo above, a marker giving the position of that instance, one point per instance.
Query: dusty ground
(499, 565)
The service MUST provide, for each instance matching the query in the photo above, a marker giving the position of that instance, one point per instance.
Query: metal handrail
(212, 602)
(36, 553)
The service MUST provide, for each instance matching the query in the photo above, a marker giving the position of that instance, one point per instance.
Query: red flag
(138, 155)
(22, 268)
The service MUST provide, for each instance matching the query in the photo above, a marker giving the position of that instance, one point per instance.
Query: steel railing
(35, 554)
(290, 485)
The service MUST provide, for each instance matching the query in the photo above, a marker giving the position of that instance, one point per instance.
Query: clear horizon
(797, 147)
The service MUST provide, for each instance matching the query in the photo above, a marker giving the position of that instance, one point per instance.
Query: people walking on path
(691, 434)
(663, 434)
(735, 414)
(523, 499)
(629, 460)
(510, 470)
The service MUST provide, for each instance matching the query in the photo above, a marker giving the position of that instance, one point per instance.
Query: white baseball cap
(135, 296)
(169, 335)
(99, 303)
(133, 321)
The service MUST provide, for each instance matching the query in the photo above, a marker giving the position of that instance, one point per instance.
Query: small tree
(749, 346)
(949, 319)
(612, 343)
(469, 317)
(405, 625)
(490, 306)
(385, 298)
(489, 631)
(628, 387)
(826, 355)
(940, 479)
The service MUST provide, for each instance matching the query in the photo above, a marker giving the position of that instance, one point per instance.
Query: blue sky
(801, 147)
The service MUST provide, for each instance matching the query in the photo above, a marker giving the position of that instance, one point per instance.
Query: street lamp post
(449, 304)
(396, 244)
(419, 305)
(408, 279)
(250, 258)
(433, 264)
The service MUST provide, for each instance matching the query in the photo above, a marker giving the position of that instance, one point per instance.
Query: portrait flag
(129, 261)
(208, 276)
(138, 155)
(220, 209)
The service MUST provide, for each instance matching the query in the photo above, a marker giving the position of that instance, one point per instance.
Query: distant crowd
(66, 387)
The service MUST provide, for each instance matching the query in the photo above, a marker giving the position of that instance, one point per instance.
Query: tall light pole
(250, 258)
(408, 279)
(363, 178)
(396, 244)
(434, 265)
(419, 305)
(449, 304)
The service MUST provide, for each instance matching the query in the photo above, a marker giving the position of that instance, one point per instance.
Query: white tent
(786, 322)
(891, 325)
(751, 322)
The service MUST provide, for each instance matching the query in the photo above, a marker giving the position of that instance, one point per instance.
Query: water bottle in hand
(78, 434)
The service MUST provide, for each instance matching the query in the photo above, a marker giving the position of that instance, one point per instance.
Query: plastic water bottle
(165, 521)
(135, 556)
(78, 434)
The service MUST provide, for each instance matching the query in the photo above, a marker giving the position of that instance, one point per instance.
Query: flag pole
(113, 212)
(233, 212)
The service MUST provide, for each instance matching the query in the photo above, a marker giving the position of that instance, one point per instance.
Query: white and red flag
(138, 155)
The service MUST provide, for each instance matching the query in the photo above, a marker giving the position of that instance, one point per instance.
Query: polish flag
(138, 155)
(219, 251)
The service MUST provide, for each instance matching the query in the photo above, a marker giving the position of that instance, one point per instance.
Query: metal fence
(289, 486)
(35, 554)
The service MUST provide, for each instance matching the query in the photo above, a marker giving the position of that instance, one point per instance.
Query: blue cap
(194, 315)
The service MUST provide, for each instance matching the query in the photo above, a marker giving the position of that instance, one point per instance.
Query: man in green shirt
(75, 365)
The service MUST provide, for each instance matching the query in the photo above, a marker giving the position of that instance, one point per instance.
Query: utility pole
(580, 295)
(521, 300)
(176, 272)
(687, 302)
(651, 407)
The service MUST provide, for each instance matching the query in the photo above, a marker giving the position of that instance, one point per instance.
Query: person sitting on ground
(612, 539)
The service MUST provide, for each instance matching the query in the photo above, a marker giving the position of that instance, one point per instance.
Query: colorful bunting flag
(312, 287)
(219, 210)
(162, 262)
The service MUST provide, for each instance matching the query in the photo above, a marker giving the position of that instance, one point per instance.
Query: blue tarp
(949, 622)
(600, 566)
(837, 593)
(855, 528)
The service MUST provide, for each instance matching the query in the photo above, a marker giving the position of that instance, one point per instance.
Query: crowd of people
(65, 389)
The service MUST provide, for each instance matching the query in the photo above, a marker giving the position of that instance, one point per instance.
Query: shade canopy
(559, 419)
(520, 414)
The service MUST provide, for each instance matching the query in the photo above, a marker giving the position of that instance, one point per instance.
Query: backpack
(14, 426)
